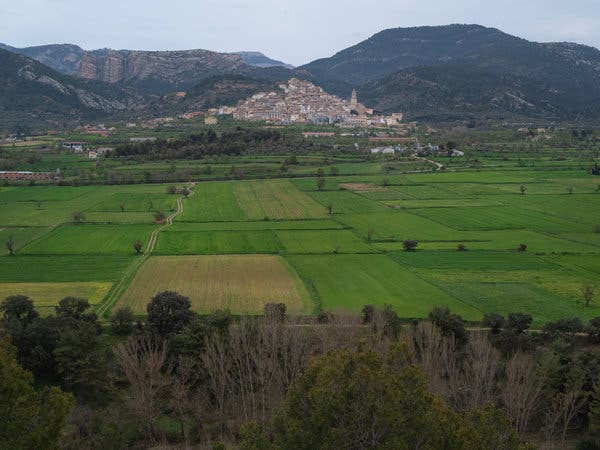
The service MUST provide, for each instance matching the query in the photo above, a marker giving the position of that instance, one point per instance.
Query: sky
(295, 32)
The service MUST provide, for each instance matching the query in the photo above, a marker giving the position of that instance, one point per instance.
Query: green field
(242, 243)
(216, 242)
(86, 239)
(347, 282)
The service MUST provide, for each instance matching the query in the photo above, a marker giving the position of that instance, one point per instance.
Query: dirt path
(438, 166)
(118, 288)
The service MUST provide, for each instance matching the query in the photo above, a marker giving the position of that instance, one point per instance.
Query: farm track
(114, 294)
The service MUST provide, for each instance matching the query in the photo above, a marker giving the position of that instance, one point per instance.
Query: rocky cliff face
(174, 67)
(31, 91)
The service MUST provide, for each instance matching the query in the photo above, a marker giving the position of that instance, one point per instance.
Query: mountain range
(436, 73)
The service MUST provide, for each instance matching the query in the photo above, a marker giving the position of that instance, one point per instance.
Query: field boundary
(115, 292)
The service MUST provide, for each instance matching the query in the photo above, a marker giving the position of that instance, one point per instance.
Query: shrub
(494, 321)
(122, 321)
(518, 322)
(450, 324)
(522, 248)
(567, 325)
(368, 312)
(410, 245)
(461, 248)
(169, 312)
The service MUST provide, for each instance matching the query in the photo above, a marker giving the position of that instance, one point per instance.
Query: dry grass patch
(275, 199)
(241, 283)
(49, 294)
(363, 187)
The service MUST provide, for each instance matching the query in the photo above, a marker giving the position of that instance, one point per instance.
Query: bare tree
(436, 355)
(587, 292)
(565, 406)
(522, 390)
(370, 233)
(480, 370)
(145, 365)
(10, 245)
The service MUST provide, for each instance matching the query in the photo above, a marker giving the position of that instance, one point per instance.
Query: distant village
(301, 102)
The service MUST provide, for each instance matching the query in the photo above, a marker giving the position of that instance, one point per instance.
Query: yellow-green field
(241, 283)
(49, 294)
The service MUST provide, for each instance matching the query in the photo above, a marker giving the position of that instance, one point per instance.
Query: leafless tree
(587, 292)
(564, 407)
(436, 355)
(479, 372)
(10, 245)
(522, 390)
(145, 364)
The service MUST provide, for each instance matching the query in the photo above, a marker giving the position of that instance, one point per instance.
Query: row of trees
(368, 381)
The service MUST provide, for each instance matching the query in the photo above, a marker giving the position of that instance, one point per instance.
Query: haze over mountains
(455, 71)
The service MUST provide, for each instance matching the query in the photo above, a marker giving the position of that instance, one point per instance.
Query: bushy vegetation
(265, 382)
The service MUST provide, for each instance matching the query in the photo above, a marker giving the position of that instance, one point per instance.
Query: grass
(212, 202)
(60, 268)
(498, 218)
(500, 240)
(241, 283)
(347, 282)
(307, 224)
(88, 239)
(509, 297)
(138, 202)
(223, 253)
(347, 202)
(21, 236)
(216, 242)
(473, 260)
(49, 294)
(322, 241)
(399, 225)
(276, 199)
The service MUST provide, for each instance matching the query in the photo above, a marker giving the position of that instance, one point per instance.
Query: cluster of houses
(414, 147)
(79, 147)
(301, 102)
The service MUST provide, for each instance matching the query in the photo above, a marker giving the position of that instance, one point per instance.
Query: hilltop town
(299, 101)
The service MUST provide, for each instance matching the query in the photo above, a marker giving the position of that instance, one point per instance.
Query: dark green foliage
(353, 400)
(410, 245)
(368, 312)
(190, 341)
(195, 146)
(450, 324)
(81, 362)
(593, 329)
(18, 308)
(122, 321)
(73, 309)
(137, 246)
(518, 322)
(494, 321)
(29, 419)
(168, 313)
(565, 326)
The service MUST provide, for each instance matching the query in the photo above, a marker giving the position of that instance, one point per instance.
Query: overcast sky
(293, 31)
